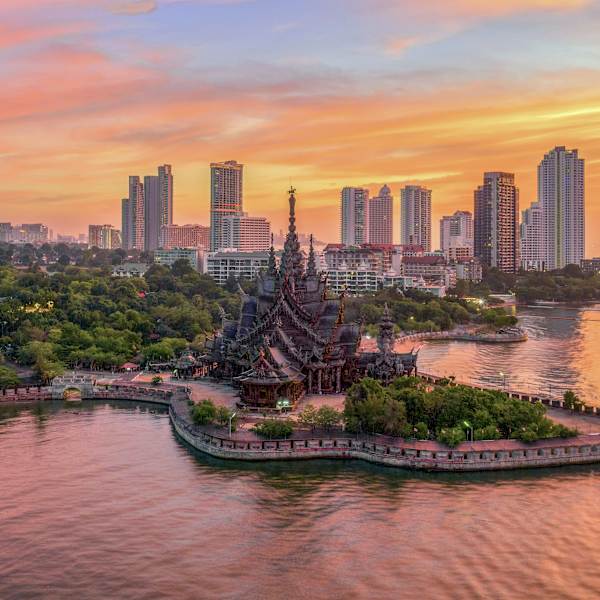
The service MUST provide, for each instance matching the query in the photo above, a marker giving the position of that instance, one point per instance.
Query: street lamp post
(503, 375)
(469, 429)
(231, 417)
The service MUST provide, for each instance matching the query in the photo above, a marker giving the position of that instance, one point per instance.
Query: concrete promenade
(305, 444)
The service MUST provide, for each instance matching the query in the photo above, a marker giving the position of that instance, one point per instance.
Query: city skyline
(397, 103)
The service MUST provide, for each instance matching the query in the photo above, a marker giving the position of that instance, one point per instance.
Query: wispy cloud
(133, 7)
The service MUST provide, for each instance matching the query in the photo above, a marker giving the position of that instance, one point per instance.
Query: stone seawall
(494, 455)
(491, 455)
(490, 338)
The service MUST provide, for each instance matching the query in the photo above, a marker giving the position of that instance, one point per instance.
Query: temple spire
(311, 269)
(292, 261)
(272, 267)
(386, 337)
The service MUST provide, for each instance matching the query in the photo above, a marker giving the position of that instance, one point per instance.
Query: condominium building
(127, 220)
(5, 232)
(29, 233)
(433, 269)
(133, 211)
(533, 256)
(496, 222)
(226, 197)
(377, 257)
(380, 217)
(591, 265)
(456, 233)
(245, 233)
(561, 194)
(353, 281)
(152, 212)
(105, 237)
(354, 216)
(184, 236)
(240, 265)
(130, 270)
(158, 205)
(168, 257)
(165, 190)
(415, 216)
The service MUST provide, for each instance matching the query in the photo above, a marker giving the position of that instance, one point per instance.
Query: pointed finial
(292, 190)
(311, 268)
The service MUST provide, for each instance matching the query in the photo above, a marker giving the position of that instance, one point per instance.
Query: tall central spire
(292, 260)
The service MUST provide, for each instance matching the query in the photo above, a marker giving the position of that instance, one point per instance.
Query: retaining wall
(428, 456)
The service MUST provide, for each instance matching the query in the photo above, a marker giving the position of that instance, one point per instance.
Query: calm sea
(102, 501)
(562, 352)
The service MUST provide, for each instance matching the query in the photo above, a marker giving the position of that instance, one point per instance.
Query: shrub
(327, 417)
(451, 437)
(572, 401)
(274, 429)
(223, 415)
(204, 413)
(157, 380)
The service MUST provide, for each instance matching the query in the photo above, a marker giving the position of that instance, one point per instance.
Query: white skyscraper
(532, 238)
(380, 217)
(245, 233)
(354, 216)
(415, 216)
(456, 231)
(561, 194)
(226, 197)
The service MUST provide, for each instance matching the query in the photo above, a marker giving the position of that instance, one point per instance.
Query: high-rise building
(5, 232)
(496, 222)
(561, 194)
(532, 238)
(29, 233)
(105, 237)
(415, 216)
(456, 234)
(133, 216)
(158, 207)
(354, 216)
(380, 217)
(226, 197)
(165, 184)
(127, 223)
(138, 212)
(152, 212)
(184, 236)
(194, 256)
(245, 233)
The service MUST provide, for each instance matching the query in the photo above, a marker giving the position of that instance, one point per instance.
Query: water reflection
(560, 354)
(105, 502)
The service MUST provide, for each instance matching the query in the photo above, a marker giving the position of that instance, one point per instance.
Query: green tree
(308, 416)
(274, 428)
(204, 413)
(8, 378)
(327, 417)
(572, 401)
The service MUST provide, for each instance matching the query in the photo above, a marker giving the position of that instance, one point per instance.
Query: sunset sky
(318, 93)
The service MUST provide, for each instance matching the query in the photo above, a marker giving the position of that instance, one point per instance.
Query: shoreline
(493, 455)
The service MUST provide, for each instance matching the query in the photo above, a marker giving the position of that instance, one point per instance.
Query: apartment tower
(496, 222)
(380, 217)
(561, 194)
(226, 180)
(415, 216)
(354, 216)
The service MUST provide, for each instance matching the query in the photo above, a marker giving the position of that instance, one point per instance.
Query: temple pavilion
(292, 338)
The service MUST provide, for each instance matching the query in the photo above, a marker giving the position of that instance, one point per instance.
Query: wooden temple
(292, 338)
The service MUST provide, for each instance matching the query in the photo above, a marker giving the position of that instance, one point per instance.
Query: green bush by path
(274, 429)
(409, 408)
